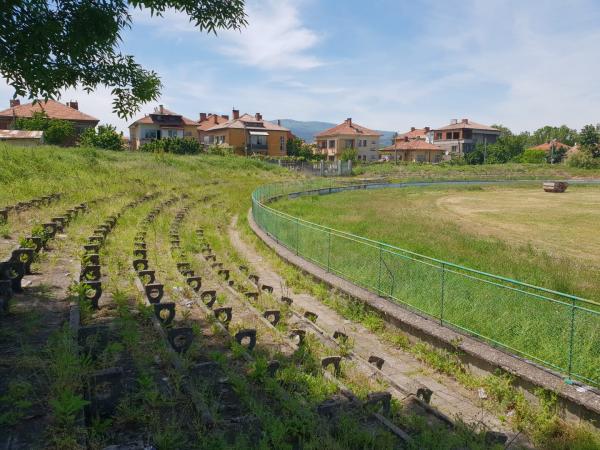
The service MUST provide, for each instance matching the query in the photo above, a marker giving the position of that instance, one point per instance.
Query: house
(206, 122)
(552, 145)
(248, 135)
(332, 142)
(22, 138)
(461, 137)
(413, 150)
(424, 134)
(53, 110)
(160, 124)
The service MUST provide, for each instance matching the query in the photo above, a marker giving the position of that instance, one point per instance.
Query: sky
(388, 64)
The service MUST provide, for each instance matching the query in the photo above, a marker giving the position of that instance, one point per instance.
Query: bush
(57, 132)
(349, 154)
(105, 137)
(583, 160)
(178, 146)
(533, 156)
(220, 150)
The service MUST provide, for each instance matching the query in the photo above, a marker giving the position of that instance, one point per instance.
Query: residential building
(248, 135)
(334, 141)
(160, 124)
(551, 145)
(424, 134)
(207, 121)
(22, 138)
(461, 137)
(413, 150)
(52, 109)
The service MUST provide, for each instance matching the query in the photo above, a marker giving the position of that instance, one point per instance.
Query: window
(448, 135)
(150, 134)
(188, 133)
(323, 144)
(456, 135)
(331, 143)
(438, 136)
(455, 148)
(281, 143)
(219, 140)
(420, 157)
(348, 143)
(172, 133)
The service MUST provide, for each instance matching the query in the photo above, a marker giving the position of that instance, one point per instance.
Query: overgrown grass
(505, 313)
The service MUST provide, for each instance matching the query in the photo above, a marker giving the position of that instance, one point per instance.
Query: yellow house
(413, 150)
(162, 123)
(332, 142)
(246, 134)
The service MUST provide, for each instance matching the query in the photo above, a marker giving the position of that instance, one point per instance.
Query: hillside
(306, 130)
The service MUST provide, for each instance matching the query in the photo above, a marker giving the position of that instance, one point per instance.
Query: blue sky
(387, 64)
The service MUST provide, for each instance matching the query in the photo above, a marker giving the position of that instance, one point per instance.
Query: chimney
(225, 116)
(14, 102)
(161, 109)
(349, 121)
(427, 129)
(73, 104)
(279, 122)
(236, 114)
(465, 121)
(202, 117)
(215, 119)
(453, 121)
(405, 138)
(258, 116)
(412, 128)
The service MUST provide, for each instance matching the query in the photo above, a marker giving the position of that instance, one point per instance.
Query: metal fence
(316, 168)
(557, 330)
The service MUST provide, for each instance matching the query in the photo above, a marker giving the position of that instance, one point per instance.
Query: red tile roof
(548, 145)
(149, 119)
(247, 121)
(414, 144)
(348, 128)
(52, 108)
(415, 133)
(211, 121)
(468, 124)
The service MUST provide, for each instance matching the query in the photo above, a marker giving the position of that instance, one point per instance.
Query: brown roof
(20, 134)
(414, 144)
(211, 121)
(162, 111)
(348, 128)
(52, 108)
(248, 121)
(415, 133)
(468, 124)
(548, 145)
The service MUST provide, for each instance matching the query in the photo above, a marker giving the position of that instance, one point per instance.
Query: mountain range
(306, 130)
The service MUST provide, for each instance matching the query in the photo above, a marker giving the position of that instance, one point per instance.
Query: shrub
(105, 137)
(533, 156)
(220, 150)
(349, 154)
(57, 132)
(583, 160)
(178, 146)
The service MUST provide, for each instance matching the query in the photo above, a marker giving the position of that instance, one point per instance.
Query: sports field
(517, 231)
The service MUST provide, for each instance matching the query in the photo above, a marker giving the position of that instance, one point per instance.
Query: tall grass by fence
(555, 329)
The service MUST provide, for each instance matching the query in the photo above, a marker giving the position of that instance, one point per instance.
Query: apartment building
(332, 142)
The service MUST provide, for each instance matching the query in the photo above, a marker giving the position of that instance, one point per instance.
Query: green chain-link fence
(558, 330)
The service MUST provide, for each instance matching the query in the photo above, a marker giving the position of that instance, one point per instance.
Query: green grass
(411, 219)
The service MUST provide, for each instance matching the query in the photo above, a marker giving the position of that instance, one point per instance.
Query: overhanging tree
(47, 46)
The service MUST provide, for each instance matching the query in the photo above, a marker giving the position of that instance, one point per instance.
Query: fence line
(555, 329)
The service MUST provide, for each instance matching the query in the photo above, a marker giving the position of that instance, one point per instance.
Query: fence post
(297, 246)
(379, 271)
(329, 253)
(443, 294)
(571, 343)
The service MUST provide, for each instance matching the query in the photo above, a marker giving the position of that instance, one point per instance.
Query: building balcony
(258, 148)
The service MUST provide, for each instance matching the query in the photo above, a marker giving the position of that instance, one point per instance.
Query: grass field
(513, 231)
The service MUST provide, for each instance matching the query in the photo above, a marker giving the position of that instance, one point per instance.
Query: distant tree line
(512, 147)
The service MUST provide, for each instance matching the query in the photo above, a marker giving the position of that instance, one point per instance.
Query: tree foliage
(105, 137)
(545, 134)
(48, 46)
(349, 154)
(57, 132)
(298, 148)
(589, 140)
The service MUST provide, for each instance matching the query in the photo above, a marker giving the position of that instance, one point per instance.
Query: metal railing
(555, 329)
